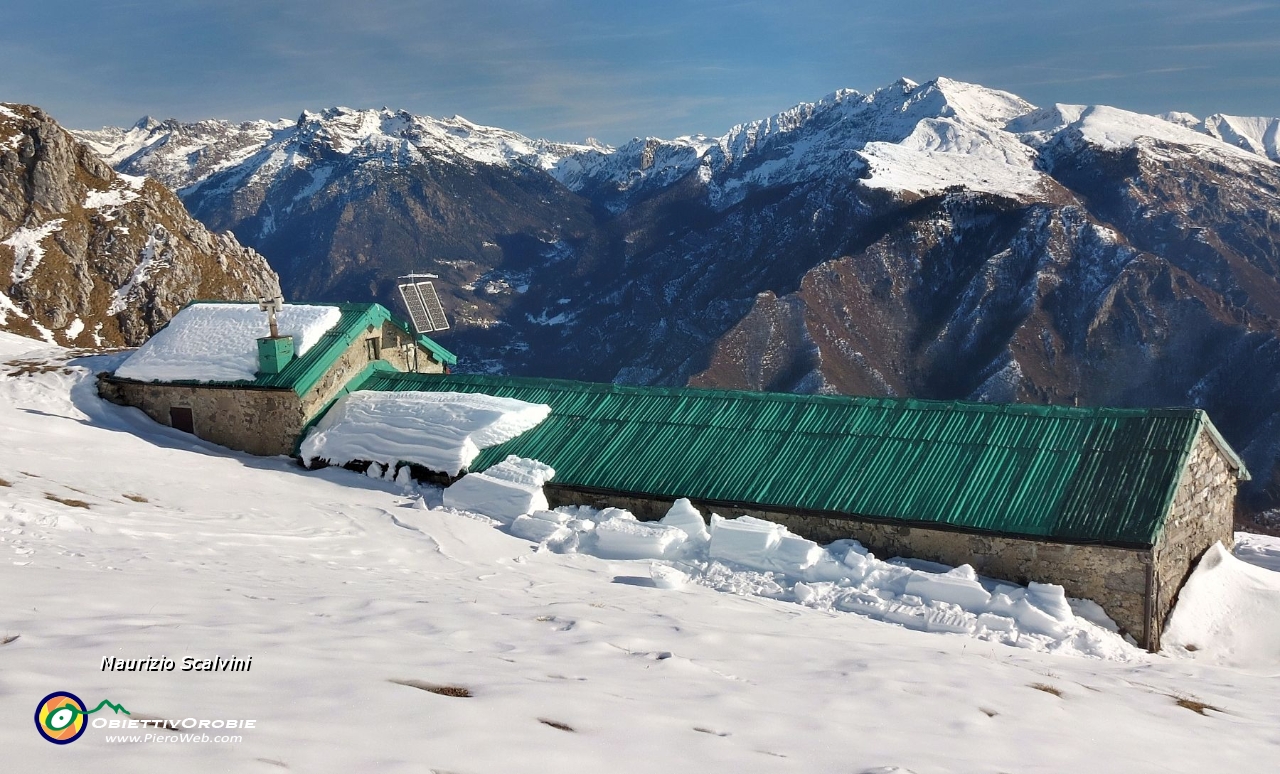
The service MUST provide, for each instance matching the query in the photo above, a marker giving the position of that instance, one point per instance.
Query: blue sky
(567, 69)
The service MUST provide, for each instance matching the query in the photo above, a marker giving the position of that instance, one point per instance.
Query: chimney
(274, 351)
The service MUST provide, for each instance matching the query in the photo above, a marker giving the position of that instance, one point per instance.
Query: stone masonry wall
(356, 357)
(1115, 578)
(256, 421)
(1202, 514)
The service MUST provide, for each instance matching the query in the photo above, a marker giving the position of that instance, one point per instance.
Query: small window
(180, 419)
(373, 348)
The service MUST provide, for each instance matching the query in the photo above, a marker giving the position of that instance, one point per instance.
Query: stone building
(201, 374)
(1115, 505)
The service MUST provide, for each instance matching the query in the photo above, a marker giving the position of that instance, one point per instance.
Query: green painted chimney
(274, 353)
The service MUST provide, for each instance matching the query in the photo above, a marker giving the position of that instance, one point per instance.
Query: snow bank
(506, 491)
(441, 431)
(752, 556)
(218, 342)
(1228, 612)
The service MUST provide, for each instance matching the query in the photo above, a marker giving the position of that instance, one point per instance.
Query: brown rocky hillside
(89, 257)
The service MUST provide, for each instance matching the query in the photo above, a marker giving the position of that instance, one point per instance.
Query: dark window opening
(180, 419)
(373, 348)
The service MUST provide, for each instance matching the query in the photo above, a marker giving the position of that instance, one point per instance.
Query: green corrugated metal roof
(302, 373)
(1093, 475)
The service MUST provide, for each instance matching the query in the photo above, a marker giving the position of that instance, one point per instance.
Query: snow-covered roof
(442, 431)
(214, 342)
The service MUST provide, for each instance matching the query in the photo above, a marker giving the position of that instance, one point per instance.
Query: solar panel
(424, 306)
(417, 310)
(435, 312)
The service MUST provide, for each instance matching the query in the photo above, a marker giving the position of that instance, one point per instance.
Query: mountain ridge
(941, 240)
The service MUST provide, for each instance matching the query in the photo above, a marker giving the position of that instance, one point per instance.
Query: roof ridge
(910, 403)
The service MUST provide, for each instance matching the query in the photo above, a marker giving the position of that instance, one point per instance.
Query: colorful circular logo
(60, 717)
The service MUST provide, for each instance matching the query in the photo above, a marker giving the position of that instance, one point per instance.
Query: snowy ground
(339, 586)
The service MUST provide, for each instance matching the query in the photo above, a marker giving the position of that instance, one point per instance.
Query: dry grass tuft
(455, 691)
(66, 501)
(1194, 705)
(10, 638)
(988, 712)
(136, 498)
(3, 482)
(1046, 689)
(557, 724)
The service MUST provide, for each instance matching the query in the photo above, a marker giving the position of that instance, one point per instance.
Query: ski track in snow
(339, 585)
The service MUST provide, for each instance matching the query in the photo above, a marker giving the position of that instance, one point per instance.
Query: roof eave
(1233, 459)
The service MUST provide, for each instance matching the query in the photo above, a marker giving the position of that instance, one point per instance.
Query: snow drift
(1228, 612)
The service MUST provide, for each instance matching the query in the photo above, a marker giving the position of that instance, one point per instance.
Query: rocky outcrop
(90, 257)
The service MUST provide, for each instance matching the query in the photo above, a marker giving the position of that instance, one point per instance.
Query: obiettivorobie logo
(60, 716)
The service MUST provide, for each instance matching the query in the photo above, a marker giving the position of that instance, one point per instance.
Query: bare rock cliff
(89, 257)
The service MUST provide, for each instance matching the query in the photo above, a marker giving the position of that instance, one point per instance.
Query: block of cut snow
(665, 577)
(621, 538)
(795, 554)
(952, 620)
(804, 593)
(685, 517)
(1034, 619)
(538, 530)
(1050, 598)
(219, 342)
(494, 497)
(1005, 599)
(746, 540)
(441, 431)
(521, 470)
(553, 516)
(997, 623)
(955, 589)
(615, 513)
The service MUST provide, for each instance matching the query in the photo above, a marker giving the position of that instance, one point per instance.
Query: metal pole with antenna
(271, 306)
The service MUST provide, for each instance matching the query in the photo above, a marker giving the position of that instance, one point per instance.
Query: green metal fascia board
(378, 366)
(303, 373)
(444, 355)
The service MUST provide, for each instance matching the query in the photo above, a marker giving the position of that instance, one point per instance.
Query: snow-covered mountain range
(905, 136)
(941, 239)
